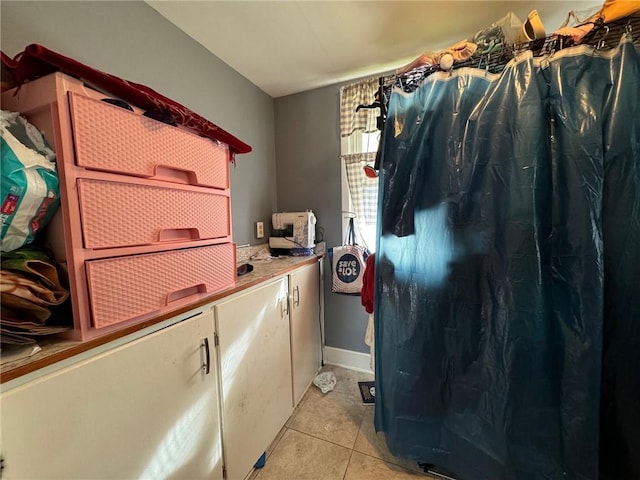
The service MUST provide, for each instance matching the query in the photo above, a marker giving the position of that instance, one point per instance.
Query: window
(360, 139)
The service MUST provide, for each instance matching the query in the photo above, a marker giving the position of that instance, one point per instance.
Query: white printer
(293, 230)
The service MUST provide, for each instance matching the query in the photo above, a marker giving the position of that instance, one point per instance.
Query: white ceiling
(286, 47)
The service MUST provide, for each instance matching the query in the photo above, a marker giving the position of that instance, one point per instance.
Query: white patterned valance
(360, 93)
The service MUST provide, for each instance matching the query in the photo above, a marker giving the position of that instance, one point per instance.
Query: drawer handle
(175, 175)
(176, 234)
(296, 296)
(186, 292)
(207, 365)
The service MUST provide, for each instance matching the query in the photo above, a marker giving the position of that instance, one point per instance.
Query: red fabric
(368, 280)
(37, 61)
(8, 61)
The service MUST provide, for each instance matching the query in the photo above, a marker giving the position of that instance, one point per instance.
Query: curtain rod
(604, 36)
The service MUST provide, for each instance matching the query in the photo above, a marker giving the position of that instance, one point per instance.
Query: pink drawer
(123, 288)
(113, 139)
(124, 214)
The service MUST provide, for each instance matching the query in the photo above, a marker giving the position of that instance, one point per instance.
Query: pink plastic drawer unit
(118, 214)
(113, 139)
(144, 226)
(123, 288)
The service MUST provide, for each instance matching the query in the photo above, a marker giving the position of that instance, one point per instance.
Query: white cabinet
(255, 372)
(146, 409)
(305, 327)
(173, 403)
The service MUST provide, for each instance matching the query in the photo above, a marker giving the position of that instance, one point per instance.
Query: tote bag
(348, 263)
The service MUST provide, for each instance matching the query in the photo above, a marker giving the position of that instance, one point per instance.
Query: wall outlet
(259, 230)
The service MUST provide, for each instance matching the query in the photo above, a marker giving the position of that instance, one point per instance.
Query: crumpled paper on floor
(325, 381)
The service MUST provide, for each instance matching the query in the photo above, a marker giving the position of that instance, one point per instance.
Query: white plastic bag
(325, 381)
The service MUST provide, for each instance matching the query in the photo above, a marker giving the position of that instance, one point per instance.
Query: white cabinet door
(146, 409)
(306, 345)
(255, 373)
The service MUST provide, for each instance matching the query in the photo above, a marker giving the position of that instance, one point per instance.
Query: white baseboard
(347, 358)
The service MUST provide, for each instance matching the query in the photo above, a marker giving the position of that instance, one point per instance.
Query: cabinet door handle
(296, 296)
(207, 365)
(284, 308)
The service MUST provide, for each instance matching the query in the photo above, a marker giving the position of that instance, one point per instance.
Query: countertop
(55, 349)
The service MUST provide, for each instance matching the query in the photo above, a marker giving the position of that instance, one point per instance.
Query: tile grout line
(352, 450)
(278, 439)
(348, 396)
(320, 438)
(355, 440)
(428, 476)
(348, 465)
(392, 462)
(256, 472)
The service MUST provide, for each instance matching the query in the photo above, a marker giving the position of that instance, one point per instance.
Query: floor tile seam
(296, 411)
(290, 424)
(344, 476)
(271, 448)
(426, 475)
(317, 436)
(360, 450)
(320, 438)
(364, 415)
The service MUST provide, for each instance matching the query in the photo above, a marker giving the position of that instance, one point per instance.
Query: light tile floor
(331, 437)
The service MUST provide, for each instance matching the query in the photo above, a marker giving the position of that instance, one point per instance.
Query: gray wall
(133, 41)
(308, 148)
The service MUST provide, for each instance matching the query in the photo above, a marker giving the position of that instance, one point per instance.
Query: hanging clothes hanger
(370, 106)
(602, 43)
(376, 103)
(379, 102)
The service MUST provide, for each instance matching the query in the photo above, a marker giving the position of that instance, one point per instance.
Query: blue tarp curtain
(508, 269)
